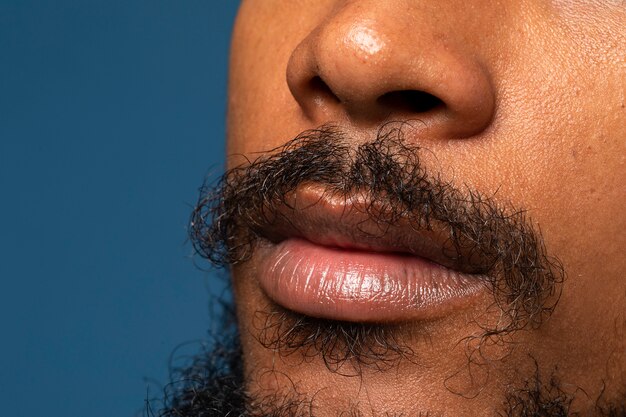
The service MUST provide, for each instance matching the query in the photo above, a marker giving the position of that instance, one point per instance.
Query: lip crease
(325, 257)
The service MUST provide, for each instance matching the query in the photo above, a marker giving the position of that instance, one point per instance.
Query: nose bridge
(375, 60)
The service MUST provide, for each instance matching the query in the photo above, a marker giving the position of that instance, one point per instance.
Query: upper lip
(351, 222)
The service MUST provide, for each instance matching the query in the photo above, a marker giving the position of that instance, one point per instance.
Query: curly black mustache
(499, 243)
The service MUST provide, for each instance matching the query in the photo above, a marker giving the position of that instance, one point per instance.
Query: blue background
(111, 115)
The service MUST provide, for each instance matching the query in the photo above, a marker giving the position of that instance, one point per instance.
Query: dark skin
(523, 101)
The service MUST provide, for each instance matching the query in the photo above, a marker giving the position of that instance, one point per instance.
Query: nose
(368, 63)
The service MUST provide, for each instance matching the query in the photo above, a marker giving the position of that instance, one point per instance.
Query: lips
(325, 256)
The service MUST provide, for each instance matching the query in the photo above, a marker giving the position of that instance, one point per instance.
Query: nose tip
(367, 72)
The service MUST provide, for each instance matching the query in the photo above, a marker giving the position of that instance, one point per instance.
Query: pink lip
(358, 285)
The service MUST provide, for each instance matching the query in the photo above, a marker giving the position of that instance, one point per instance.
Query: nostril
(410, 101)
(322, 90)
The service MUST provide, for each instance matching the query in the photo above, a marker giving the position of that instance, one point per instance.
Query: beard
(212, 385)
(491, 239)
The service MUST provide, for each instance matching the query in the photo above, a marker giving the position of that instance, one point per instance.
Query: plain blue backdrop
(111, 115)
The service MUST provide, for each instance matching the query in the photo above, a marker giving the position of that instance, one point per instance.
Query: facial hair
(497, 240)
(493, 240)
(212, 385)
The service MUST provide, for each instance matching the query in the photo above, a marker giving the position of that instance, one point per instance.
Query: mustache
(493, 240)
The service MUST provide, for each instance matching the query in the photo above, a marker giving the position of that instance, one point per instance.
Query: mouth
(365, 234)
(323, 256)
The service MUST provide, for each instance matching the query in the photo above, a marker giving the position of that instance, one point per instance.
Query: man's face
(447, 235)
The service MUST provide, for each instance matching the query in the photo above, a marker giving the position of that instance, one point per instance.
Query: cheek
(569, 172)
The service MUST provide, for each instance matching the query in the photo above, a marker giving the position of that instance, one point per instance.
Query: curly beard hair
(506, 250)
(212, 385)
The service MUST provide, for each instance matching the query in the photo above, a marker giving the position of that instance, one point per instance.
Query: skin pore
(519, 102)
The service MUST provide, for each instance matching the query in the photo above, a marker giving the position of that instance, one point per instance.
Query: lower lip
(361, 286)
